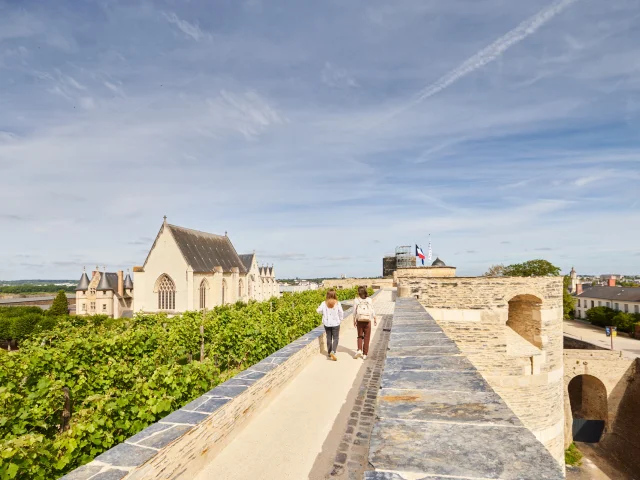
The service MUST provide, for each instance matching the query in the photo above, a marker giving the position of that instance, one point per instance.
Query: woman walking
(332, 315)
(362, 317)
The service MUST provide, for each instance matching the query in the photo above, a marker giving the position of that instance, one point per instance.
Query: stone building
(510, 328)
(106, 293)
(192, 270)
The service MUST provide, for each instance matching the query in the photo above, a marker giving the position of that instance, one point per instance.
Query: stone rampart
(510, 328)
(345, 283)
(438, 417)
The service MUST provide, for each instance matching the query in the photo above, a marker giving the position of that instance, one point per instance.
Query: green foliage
(60, 305)
(23, 326)
(625, 283)
(29, 288)
(568, 300)
(495, 271)
(125, 374)
(572, 456)
(532, 268)
(605, 316)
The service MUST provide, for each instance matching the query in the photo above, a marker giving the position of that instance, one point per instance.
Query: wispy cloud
(337, 77)
(489, 53)
(189, 29)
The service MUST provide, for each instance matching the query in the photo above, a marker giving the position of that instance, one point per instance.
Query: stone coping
(437, 417)
(124, 458)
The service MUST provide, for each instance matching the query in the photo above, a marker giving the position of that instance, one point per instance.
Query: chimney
(612, 282)
(120, 283)
(578, 289)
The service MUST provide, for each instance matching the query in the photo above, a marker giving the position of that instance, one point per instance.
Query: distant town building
(192, 270)
(106, 293)
(300, 286)
(619, 298)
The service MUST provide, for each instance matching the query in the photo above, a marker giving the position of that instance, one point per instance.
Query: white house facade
(619, 298)
(107, 293)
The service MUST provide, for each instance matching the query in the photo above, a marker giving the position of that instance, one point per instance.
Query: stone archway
(589, 408)
(524, 318)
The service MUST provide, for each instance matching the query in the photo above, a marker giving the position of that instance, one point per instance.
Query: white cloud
(337, 77)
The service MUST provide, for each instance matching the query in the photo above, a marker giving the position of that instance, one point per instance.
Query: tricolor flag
(420, 254)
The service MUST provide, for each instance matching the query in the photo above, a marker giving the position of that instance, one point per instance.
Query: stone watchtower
(510, 328)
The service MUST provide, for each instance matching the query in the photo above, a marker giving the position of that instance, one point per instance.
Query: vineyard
(84, 384)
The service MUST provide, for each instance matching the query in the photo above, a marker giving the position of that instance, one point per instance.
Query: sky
(321, 134)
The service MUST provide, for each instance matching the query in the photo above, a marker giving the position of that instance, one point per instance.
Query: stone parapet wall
(356, 282)
(179, 445)
(437, 417)
(510, 328)
(424, 272)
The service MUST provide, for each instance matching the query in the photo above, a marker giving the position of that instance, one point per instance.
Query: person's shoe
(364, 357)
(333, 356)
(358, 354)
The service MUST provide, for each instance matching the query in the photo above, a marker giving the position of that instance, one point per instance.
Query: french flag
(420, 254)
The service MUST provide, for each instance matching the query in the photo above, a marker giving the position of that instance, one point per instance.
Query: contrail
(487, 54)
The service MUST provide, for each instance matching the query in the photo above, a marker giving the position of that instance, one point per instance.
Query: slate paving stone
(227, 391)
(424, 405)
(165, 437)
(463, 381)
(423, 351)
(465, 450)
(111, 474)
(151, 429)
(415, 327)
(180, 416)
(249, 374)
(436, 362)
(420, 340)
(263, 367)
(126, 455)
(212, 404)
(82, 473)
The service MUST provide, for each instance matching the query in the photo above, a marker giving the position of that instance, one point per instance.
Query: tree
(495, 271)
(532, 268)
(568, 301)
(60, 305)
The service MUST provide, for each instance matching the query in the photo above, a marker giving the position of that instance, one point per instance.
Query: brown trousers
(364, 335)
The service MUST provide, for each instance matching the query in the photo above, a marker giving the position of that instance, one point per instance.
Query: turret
(83, 284)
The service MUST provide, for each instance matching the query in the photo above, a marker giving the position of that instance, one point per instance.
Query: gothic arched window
(204, 286)
(166, 293)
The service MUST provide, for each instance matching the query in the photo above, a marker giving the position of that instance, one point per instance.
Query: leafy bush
(46, 324)
(125, 374)
(23, 326)
(572, 456)
(5, 328)
(605, 316)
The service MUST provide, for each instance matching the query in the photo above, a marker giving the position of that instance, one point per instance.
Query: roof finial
(84, 269)
(225, 233)
(165, 220)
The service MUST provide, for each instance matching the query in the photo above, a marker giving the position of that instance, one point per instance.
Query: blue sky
(321, 134)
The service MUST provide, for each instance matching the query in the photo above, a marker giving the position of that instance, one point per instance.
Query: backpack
(364, 311)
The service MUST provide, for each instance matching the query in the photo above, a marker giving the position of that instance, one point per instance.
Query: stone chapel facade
(192, 270)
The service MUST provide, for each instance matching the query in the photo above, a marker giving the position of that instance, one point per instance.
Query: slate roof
(624, 294)
(108, 281)
(128, 283)
(247, 260)
(83, 284)
(205, 251)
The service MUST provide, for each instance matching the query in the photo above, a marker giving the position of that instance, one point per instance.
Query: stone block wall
(510, 328)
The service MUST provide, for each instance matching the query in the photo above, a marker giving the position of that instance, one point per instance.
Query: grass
(572, 456)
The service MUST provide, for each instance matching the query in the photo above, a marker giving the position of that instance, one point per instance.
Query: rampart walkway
(320, 421)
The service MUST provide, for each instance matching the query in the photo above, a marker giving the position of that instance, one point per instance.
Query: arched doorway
(524, 318)
(589, 409)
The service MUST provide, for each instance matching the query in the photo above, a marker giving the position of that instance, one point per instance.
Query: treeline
(125, 374)
(29, 288)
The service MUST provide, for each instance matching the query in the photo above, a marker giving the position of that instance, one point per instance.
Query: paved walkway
(595, 335)
(316, 426)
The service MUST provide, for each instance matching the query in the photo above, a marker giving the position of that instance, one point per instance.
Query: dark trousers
(364, 335)
(333, 335)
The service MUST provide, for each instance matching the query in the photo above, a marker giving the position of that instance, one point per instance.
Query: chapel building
(192, 270)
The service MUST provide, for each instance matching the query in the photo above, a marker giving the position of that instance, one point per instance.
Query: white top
(359, 300)
(331, 317)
